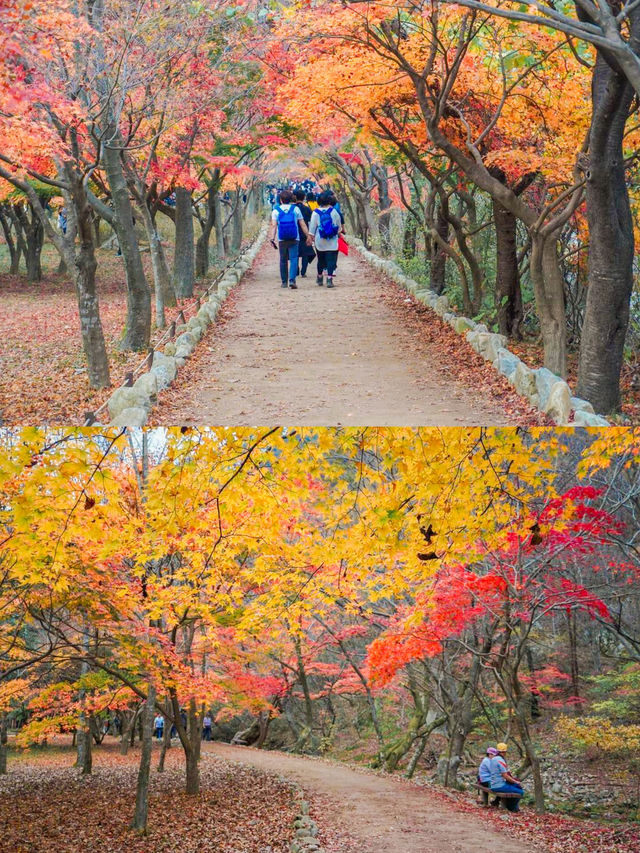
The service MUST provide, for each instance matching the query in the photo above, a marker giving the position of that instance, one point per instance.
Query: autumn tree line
(507, 136)
(417, 591)
(502, 151)
(118, 114)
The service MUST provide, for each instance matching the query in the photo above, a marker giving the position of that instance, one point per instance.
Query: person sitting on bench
(484, 773)
(501, 781)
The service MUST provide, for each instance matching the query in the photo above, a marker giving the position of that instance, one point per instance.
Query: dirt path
(382, 814)
(321, 357)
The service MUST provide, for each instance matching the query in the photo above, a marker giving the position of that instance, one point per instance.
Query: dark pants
(305, 255)
(288, 260)
(206, 733)
(511, 803)
(327, 262)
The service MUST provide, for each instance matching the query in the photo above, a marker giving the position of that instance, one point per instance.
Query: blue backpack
(287, 223)
(328, 229)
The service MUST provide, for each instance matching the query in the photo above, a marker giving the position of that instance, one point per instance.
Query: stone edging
(131, 406)
(306, 831)
(542, 388)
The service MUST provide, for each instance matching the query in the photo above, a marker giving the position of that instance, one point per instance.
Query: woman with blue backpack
(325, 227)
(287, 223)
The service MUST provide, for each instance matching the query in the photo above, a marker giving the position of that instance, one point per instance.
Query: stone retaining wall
(542, 388)
(306, 831)
(130, 406)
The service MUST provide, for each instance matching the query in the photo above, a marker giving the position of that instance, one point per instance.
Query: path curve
(384, 814)
(319, 357)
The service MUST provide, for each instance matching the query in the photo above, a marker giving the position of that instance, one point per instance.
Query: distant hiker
(206, 728)
(305, 251)
(501, 781)
(287, 221)
(325, 227)
(336, 205)
(62, 220)
(158, 725)
(312, 200)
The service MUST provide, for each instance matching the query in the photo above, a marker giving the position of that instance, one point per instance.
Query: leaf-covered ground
(459, 359)
(46, 806)
(44, 379)
(533, 355)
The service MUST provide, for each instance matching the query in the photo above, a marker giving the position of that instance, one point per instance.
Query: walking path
(319, 357)
(381, 814)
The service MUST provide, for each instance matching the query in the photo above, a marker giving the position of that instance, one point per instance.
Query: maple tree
(479, 105)
(475, 120)
(133, 117)
(282, 573)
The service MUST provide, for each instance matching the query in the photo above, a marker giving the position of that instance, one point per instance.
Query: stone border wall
(130, 406)
(542, 388)
(306, 830)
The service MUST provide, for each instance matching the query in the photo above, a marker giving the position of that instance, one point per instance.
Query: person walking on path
(287, 223)
(206, 728)
(305, 252)
(325, 227)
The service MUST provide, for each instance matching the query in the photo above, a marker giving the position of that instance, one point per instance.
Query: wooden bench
(510, 799)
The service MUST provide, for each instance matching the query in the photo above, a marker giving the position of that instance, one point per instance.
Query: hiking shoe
(330, 281)
(284, 284)
(293, 285)
(319, 281)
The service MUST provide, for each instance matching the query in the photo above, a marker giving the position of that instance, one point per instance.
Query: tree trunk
(573, 656)
(6, 221)
(409, 236)
(237, 221)
(193, 772)
(508, 296)
(532, 760)
(166, 744)
(381, 178)
(139, 822)
(548, 286)
(79, 255)
(264, 718)
(3, 744)
(415, 758)
(163, 289)
(84, 753)
(437, 280)
(302, 675)
(221, 247)
(137, 333)
(611, 243)
(33, 233)
(202, 244)
(88, 308)
(35, 239)
(183, 266)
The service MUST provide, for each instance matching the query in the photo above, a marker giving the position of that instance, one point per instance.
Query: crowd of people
(307, 224)
(494, 774)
